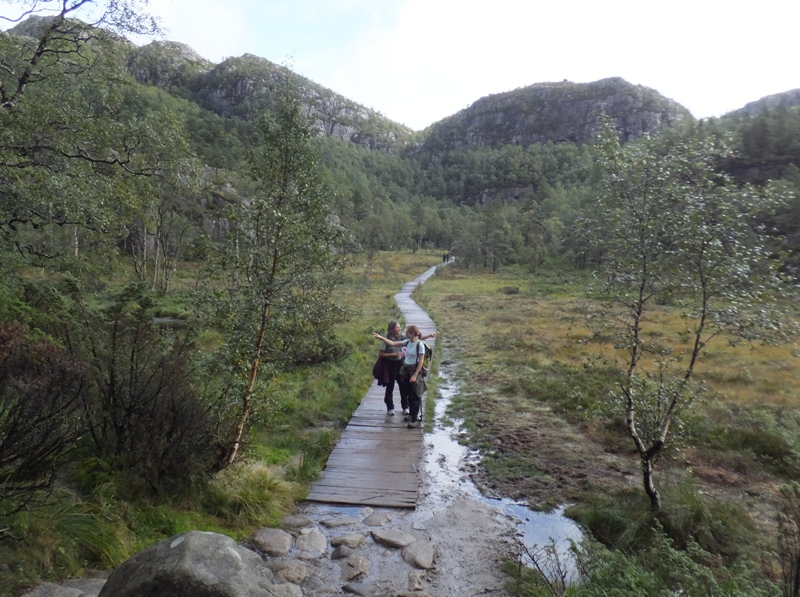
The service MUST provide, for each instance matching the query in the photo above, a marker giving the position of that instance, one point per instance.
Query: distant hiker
(411, 383)
(392, 357)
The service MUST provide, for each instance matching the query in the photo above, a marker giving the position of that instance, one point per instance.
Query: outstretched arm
(387, 341)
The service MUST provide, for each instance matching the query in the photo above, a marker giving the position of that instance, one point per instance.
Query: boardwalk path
(376, 460)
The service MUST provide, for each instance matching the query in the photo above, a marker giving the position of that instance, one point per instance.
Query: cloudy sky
(417, 61)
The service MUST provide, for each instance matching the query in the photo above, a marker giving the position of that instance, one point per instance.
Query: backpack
(426, 360)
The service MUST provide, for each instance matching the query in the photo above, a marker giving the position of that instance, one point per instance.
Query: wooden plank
(376, 459)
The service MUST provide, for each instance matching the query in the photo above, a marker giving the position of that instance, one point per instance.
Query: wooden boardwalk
(376, 460)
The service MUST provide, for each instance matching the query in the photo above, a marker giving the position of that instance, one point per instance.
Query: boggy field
(535, 393)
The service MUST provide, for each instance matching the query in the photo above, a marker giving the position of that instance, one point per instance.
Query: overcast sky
(418, 61)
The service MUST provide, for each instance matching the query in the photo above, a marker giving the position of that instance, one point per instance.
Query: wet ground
(473, 534)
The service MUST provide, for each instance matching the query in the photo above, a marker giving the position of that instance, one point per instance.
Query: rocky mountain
(242, 86)
(555, 112)
(786, 99)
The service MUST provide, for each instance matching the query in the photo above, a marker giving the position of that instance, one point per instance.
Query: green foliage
(753, 437)
(660, 569)
(250, 495)
(150, 422)
(671, 228)
(271, 284)
(695, 545)
(62, 538)
(789, 539)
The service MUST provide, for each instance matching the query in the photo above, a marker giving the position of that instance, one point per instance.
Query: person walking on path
(393, 357)
(409, 378)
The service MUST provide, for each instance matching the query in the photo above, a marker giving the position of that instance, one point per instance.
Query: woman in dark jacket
(393, 358)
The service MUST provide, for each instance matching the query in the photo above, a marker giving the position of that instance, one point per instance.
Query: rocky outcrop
(246, 85)
(786, 99)
(167, 64)
(555, 112)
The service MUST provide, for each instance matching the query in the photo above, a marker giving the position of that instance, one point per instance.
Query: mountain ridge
(538, 113)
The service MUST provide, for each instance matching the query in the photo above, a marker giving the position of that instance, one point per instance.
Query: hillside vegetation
(193, 256)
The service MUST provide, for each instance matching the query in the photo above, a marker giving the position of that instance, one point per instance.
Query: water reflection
(448, 465)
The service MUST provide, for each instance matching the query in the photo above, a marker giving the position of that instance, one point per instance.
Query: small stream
(448, 465)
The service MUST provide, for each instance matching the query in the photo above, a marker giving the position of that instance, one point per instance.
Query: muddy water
(448, 465)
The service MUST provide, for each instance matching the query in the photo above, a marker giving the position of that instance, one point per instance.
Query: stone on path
(392, 537)
(419, 554)
(296, 521)
(353, 567)
(273, 542)
(377, 520)
(293, 571)
(341, 552)
(353, 540)
(341, 521)
(311, 540)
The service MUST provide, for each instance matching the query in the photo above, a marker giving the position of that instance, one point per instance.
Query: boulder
(195, 563)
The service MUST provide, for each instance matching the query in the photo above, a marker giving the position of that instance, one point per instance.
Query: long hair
(390, 329)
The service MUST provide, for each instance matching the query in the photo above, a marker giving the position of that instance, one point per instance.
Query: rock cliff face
(786, 99)
(243, 86)
(556, 112)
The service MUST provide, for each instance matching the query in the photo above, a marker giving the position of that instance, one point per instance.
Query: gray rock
(293, 571)
(273, 542)
(415, 581)
(392, 537)
(341, 552)
(361, 589)
(352, 540)
(353, 567)
(419, 554)
(195, 563)
(285, 590)
(314, 584)
(339, 522)
(296, 522)
(312, 540)
(49, 589)
(377, 520)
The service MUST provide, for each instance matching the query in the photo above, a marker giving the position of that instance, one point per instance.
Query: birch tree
(270, 289)
(673, 230)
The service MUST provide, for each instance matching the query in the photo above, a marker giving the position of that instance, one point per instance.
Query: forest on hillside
(166, 269)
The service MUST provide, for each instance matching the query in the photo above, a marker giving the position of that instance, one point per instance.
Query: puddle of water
(448, 465)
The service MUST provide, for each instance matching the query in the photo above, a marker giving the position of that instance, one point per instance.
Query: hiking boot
(405, 411)
(390, 412)
(415, 424)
